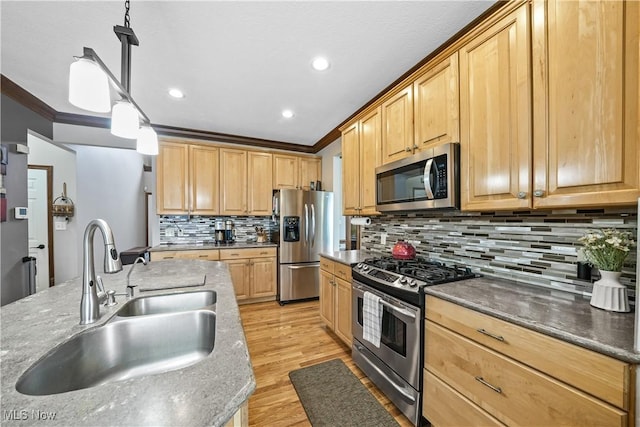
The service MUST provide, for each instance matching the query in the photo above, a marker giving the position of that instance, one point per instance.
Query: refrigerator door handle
(313, 225)
(299, 267)
(306, 223)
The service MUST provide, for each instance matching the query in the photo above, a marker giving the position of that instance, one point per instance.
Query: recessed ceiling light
(287, 114)
(176, 93)
(320, 63)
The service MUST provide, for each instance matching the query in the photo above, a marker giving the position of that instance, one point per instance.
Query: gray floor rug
(332, 396)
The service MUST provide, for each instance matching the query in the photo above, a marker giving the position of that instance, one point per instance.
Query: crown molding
(21, 96)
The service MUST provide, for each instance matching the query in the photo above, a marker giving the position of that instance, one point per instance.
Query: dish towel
(372, 318)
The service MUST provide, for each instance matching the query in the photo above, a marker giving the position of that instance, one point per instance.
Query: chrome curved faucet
(90, 305)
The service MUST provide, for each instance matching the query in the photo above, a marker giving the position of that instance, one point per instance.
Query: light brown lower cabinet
(335, 298)
(241, 417)
(253, 270)
(480, 370)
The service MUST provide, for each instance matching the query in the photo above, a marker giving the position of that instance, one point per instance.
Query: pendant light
(147, 141)
(89, 86)
(124, 120)
(89, 80)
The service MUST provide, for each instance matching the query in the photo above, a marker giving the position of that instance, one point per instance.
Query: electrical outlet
(61, 225)
(180, 232)
(170, 232)
(383, 238)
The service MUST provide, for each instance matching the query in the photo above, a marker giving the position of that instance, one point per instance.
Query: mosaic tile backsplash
(201, 230)
(538, 248)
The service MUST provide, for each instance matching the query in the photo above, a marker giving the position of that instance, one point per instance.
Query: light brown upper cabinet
(585, 97)
(495, 111)
(259, 183)
(397, 126)
(360, 156)
(295, 171)
(245, 182)
(187, 179)
(436, 105)
(233, 182)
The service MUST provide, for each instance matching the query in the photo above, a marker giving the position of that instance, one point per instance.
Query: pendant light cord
(126, 14)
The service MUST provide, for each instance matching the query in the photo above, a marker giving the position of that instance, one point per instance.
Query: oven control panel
(391, 279)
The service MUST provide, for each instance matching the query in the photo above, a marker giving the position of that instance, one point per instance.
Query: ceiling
(239, 63)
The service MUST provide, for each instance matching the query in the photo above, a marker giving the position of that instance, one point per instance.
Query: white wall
(45, 152)
(328, 153)
(110, 187)
(332, 181)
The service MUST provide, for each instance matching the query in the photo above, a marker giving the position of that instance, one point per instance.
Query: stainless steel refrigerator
(304, 230)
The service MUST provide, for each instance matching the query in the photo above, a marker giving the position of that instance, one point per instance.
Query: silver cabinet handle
(538, 193)
(427, 179)
(489, 334)
(491, 386)
(522, 195)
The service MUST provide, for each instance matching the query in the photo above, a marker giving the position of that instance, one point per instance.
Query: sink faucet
(90, 305)
(129, 287)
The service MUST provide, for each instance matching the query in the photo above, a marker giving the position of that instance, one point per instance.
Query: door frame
(49, 170)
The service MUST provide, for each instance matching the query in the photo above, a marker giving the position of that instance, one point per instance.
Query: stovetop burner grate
(430, 271)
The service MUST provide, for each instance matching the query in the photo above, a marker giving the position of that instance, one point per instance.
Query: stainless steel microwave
(429, 179)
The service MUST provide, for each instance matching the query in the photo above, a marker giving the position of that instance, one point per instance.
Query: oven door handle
(397, 310)
(427, 180)
(402, 392)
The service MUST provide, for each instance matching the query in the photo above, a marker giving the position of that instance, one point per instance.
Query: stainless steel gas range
(395, 366)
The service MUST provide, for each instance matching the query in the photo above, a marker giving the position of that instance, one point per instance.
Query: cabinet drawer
(443, 406)
(342, 271)
(247, 253)
(326, 265)
(508, 390)
(206, 254)
(603, 376)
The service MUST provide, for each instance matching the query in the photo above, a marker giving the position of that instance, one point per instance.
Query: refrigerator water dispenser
(291, 228)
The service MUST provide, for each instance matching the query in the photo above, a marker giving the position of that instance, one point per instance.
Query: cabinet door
(436, 105)
(233, 182)
(172, 180)
(203, 178)
(397, 126)
(240, 274)
(370, 146)
(263, 277)
(327, 298)
(285, 171)
(310, 171)
(495, 145)
(351, 170)
(260, 179)
(343, 310)
(586, 96)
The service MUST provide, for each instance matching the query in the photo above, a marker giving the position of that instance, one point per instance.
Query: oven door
(400, 339)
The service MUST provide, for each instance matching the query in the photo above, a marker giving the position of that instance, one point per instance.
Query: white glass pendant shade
(89, 86)
(124, 120)
(147, 141)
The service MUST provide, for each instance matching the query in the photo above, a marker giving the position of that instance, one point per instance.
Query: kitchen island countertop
(206, 393)
(568, 317)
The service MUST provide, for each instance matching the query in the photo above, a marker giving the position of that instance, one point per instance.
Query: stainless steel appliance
(395, 366)
(304, 230)
(427, 180)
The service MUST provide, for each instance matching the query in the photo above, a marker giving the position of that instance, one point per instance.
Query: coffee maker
(229, 231)
(220, 232)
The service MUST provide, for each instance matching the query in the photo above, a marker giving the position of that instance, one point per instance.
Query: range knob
(359, 265)
(403, 280)
(413, 283)
(365, 267)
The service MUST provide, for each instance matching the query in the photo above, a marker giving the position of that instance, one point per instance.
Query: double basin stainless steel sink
(148, 335)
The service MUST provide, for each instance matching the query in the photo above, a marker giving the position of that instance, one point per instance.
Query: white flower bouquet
(607, 249)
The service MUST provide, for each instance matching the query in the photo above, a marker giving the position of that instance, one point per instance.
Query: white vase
(609, 294)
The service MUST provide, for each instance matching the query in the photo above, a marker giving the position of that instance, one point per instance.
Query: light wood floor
(282, 339)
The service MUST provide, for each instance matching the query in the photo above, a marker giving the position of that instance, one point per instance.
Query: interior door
(38, 225)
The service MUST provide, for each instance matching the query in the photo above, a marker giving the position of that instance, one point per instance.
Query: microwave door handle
(426, 178)
(306, 223)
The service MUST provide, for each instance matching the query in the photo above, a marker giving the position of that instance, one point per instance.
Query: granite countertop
(196, 246)
(351, 257)
(562, 315)
(206, 393)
